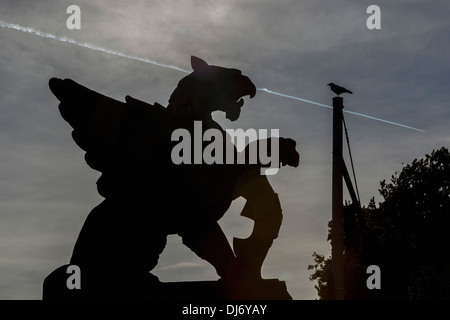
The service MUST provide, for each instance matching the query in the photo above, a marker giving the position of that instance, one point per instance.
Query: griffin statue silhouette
(148, 197)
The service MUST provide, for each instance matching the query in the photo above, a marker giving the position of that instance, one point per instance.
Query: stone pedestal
(55, 288)
(265, 289)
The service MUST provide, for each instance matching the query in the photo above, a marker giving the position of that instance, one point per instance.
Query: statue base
(55, 288)
(264, 289)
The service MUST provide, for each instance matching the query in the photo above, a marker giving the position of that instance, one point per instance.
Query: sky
(397, 73)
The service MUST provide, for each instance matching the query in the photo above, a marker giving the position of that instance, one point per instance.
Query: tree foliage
(321, 269)
(406, 235)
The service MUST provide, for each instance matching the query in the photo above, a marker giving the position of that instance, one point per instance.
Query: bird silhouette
(337, 89)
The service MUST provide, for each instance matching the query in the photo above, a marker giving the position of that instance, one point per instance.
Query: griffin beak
(252, 89)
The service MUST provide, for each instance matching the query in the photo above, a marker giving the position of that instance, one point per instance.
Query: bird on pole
(337, 89)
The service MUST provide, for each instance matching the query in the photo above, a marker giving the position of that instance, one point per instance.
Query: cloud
(399, 73)
(181, 265)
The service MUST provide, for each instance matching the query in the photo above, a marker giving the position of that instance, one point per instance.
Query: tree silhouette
(405, 235)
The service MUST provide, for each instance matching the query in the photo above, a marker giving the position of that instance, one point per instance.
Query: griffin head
(209, 88)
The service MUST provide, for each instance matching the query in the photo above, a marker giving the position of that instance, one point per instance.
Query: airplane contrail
(46, 35)
(330, 107)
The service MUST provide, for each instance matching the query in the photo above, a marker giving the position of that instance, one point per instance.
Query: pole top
(338, 102)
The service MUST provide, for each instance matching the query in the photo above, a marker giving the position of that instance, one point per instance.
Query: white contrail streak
(330, 107)
(46, 35)
(292, 97)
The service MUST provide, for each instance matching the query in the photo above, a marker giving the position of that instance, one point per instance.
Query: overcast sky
(398, 73)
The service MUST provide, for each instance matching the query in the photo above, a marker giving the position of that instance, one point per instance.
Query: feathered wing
(128, 142)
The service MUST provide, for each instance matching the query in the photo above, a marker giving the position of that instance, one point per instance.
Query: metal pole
(337, 235)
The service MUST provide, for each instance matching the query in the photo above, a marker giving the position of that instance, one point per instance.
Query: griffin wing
(126, 141)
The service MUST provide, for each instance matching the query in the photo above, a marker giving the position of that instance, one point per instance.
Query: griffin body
(148, 197)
